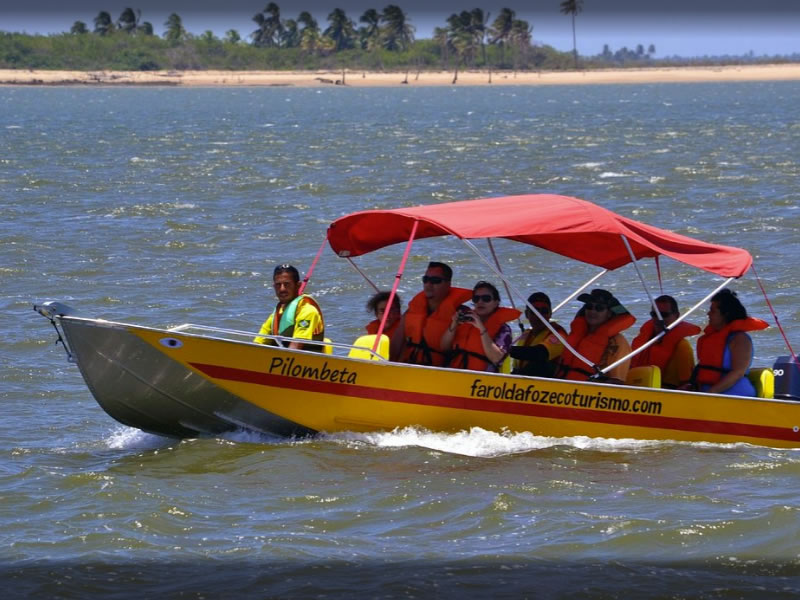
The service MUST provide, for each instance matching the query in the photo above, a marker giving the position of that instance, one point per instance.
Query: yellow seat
(327, 348)
(362, 348)
(505, 366)
(646, 376)
(763, 379)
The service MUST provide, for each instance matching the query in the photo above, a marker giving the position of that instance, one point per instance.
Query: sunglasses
(595, 307)
(432, 279)
(482, 298)
(664, 313)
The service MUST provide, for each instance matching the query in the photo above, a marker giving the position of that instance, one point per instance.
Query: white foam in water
(476, 442)
(479, 442)
(125, 438)
(244, 436)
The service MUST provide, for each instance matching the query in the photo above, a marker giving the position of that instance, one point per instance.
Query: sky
(674, 27)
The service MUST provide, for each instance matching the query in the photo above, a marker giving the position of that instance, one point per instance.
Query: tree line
(376, 40)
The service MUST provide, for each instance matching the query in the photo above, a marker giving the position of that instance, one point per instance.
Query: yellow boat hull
(285, 391)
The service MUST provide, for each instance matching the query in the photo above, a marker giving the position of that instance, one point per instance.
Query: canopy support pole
(775, 316)
(579, 290)
(635, 262)
(396, 284)
(313, 264)
(546, 323)
(508, 291)
(364, 275)
(672, 326)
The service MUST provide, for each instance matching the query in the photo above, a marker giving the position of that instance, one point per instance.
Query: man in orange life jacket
(295, 316)
(417, 339)
(595, 333)
(672, 353)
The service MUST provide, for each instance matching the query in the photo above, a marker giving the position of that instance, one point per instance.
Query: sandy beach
(778, 72)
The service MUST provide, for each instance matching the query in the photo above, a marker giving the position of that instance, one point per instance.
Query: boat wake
(475, 442)
(479, 442)
(128, 438)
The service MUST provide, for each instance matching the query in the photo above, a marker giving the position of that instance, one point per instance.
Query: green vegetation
(377, 41)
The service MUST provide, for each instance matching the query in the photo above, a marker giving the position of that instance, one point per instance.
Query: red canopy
(567, 226)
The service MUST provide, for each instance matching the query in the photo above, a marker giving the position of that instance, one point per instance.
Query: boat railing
(238, 335)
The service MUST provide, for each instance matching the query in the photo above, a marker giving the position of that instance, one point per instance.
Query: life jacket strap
(421, 348)
(464, 355)
(698, 367)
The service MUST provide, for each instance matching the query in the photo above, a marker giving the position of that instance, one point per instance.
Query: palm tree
(520, 38)
(309, 36)
(341, 29)
(103, 25)
(145, 28)
(308, 22)
(232, 37)
(270, 28)
(461, 39)
(398, 33)
(572, 7)
(129, 20)
(78, 28)
(478, 25)
(501, 30)
(440, 37)
(175, 32)
(371, 32)
(291, 34)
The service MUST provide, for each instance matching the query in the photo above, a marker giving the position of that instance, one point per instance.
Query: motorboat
(194, 380)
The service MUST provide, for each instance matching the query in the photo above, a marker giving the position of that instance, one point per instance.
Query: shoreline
(353, 78)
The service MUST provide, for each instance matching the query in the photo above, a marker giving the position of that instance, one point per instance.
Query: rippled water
(164, 206)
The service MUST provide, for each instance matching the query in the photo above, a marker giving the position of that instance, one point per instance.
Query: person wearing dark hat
(295, 316)
(536, 351)
(672, 353)
(596, 334)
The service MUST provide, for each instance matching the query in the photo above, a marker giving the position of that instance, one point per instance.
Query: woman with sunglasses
(479, 339)
(595, 334)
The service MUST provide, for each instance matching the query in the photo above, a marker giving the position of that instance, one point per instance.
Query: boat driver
(417, 339)
(295, 316)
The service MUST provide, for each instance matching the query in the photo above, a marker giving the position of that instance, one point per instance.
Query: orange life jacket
(372, 327)
(467, 350)
(590, 345)
(661, 352)
(423, 332)
(711, 349)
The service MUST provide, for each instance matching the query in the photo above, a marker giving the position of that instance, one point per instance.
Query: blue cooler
(787, 378)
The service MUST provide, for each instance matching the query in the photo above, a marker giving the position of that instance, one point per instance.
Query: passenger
(417, 339)
(479, 339)
(295, 316)
(377, 305)
(672, 353)
(536, 352)
(725, 350)
(596, 334)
